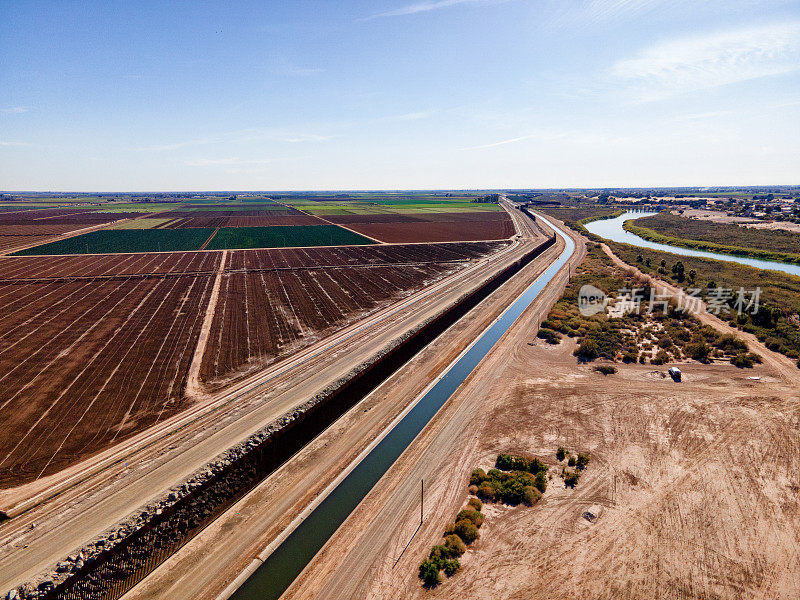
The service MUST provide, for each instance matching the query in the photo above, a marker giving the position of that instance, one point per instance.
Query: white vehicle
(675, 373)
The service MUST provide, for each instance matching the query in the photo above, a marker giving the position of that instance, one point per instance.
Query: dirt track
(696, 486)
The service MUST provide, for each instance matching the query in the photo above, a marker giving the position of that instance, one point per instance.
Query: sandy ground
(794, 227)
(715, 216)
(696, 486)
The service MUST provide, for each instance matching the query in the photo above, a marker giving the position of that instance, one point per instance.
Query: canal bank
(280, 563)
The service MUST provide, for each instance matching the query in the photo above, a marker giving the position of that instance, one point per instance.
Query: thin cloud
(420, 7)
(14, 110)
(239, 136)
(410, 116)
(212, 162)
(503, 142)
(14, 144)
(704, 115)
(709, 61)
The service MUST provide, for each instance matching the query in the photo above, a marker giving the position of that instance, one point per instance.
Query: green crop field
(109, 241)
(279, 237)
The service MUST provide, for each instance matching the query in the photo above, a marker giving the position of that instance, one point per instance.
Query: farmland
(267, 311)
(430, 227)
(94, 348)
(279, 236)
(126, 240)
(83, 363)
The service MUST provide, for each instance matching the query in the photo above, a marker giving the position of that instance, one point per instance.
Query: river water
(611, 229)
(286, 562)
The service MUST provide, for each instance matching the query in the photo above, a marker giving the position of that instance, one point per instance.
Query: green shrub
(466, 530)
(473, 489)
(606, 369)
(429, 573)
(572, 460)
(455, 545)
(549, 336)
(571, 478)
(450, 529)
(475, 503)
(472, 515)
(478, 477)
(587, 350)
(561, 453)
(583, 460)
(486, 493)
(451, 566)
(540, 482)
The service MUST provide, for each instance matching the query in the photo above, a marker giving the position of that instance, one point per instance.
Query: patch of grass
(284, 236)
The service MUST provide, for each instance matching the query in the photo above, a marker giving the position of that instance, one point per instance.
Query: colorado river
(611, 229)
(284, 564)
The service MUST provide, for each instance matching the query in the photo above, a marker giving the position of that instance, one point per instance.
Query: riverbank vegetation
(726, 238)
(634, 329)
(776, 323)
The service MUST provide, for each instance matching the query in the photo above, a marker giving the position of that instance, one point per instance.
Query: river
(611, 229)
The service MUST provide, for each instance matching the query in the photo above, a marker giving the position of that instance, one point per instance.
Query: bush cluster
(514, 480)
(578, 464)
(457, 535)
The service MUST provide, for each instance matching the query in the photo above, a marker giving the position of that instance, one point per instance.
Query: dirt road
(695, 486)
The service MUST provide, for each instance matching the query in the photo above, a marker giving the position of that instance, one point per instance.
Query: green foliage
(283, 236)
(451, 566)
(582, 461)
(429, 573)
(540, 482)
(548, 335)
(571, 478)
(472, 515)
(606, 369)
(561, 453)
(531, 495)
(475, 504)
(507, 462)
(478, 476)
(466, 530)
(125, 240)
(455, 545)
(572, 461)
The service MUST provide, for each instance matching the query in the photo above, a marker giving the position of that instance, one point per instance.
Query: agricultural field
(281, 236)
(430, 227)
(125, 240)
(96, 347)
(86, 362)
(274, 302)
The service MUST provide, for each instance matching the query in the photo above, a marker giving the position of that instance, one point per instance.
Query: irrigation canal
(286, 562)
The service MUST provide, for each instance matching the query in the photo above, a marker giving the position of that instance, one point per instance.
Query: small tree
(540, 481)
(455, 545)
(561, 453)
(429, 573)
(475, 503)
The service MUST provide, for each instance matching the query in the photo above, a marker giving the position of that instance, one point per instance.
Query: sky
(398, 94)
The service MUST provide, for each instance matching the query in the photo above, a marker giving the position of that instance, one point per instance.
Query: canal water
(281, 567)
(611, 229)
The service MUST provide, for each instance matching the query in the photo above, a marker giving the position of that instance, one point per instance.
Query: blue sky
(398, 94)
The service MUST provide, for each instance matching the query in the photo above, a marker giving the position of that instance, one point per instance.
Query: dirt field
(430, 227)
(695, 485)
(88, 362)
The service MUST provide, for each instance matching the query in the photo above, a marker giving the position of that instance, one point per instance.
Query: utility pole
(421, 500)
